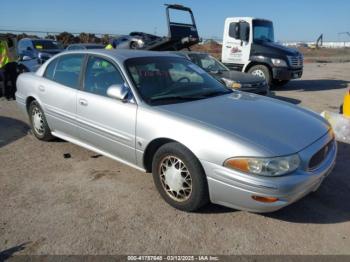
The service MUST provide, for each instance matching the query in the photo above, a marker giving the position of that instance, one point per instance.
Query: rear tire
(261, 71)
(179, 177)
(38, 122)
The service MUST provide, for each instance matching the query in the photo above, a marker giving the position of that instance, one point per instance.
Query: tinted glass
(207, 62)
(50, 70)
(74, 47)
(232, 30)
(263, 31)
(68, 70)
(100, 75)
(46, 44)
(162, 80)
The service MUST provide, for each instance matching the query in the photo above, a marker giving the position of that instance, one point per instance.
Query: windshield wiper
(189, 98)
(184, 98)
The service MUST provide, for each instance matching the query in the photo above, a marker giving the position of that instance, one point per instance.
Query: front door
(106, 123)
(235, 51)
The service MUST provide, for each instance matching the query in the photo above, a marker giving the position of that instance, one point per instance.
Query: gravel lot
(89, 204)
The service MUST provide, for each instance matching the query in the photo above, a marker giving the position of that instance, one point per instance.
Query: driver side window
(100, 74)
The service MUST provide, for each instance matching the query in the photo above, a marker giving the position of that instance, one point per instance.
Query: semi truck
(249, 46)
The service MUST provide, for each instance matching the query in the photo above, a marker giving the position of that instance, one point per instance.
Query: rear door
(58, 93)
(106, 123)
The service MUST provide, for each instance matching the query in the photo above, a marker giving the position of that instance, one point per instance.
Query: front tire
(38, 122)
(261, 71)
(179, 177)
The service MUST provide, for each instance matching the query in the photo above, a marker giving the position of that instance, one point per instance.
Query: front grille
(296, 61)
(320, 156)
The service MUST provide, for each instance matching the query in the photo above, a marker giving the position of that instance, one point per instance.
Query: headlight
(279, 62)
(231, 84)
(276, 166)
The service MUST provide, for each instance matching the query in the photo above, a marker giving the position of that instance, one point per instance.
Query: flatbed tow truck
(180, 35)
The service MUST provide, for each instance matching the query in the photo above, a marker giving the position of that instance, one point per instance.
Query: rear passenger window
(50, 70)
(67, 70)
(100, 75)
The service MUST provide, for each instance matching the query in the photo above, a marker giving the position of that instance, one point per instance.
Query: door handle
(83, 102)
(41, 88)
(228, 46)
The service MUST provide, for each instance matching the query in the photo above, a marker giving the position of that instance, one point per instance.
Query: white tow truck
(249, 46)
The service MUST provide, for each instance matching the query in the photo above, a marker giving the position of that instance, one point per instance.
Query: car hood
(274, 126)
(273, 49)
(240, 77)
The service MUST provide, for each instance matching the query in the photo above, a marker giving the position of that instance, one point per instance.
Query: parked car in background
(163, 114)
(83, 46)
(34, 52)
(128, 42)
(232, 79)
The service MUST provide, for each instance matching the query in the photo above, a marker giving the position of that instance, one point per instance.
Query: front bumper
(234, 189)
(281, 73)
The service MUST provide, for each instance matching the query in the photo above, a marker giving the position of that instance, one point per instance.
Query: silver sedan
(161, 113)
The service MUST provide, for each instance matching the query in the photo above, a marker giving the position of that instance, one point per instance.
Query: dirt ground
(89, 204)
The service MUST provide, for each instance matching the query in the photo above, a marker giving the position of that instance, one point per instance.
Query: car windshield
(166, 80)
(208, 63)
(46, 45)
(263, 31)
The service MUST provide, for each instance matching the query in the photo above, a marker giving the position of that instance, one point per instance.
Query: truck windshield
(46, 45)
(208, 63)
(166, 80)
(263, 31)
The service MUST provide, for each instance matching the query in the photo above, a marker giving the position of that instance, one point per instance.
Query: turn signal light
(237, 163)
(265, 199)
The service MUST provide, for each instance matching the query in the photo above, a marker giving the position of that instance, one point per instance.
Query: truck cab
(249, 46)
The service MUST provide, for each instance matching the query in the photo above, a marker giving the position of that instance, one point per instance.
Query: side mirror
(119, 92)
(29, 48)
(244, 31)
(234, 30)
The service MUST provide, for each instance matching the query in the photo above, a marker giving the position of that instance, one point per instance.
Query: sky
(294, 20)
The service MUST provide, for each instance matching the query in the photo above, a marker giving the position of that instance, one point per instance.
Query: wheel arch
(254, 63)
(29, 100)
(152, 148)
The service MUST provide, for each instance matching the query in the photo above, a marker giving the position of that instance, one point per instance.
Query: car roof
(122, 54)
(86, 44)
(189, 52)
(40, 39)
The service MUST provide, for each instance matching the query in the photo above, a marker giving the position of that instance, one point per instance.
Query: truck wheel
(179, 177)
(279, 83)
(38, 122)
(261, 71)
